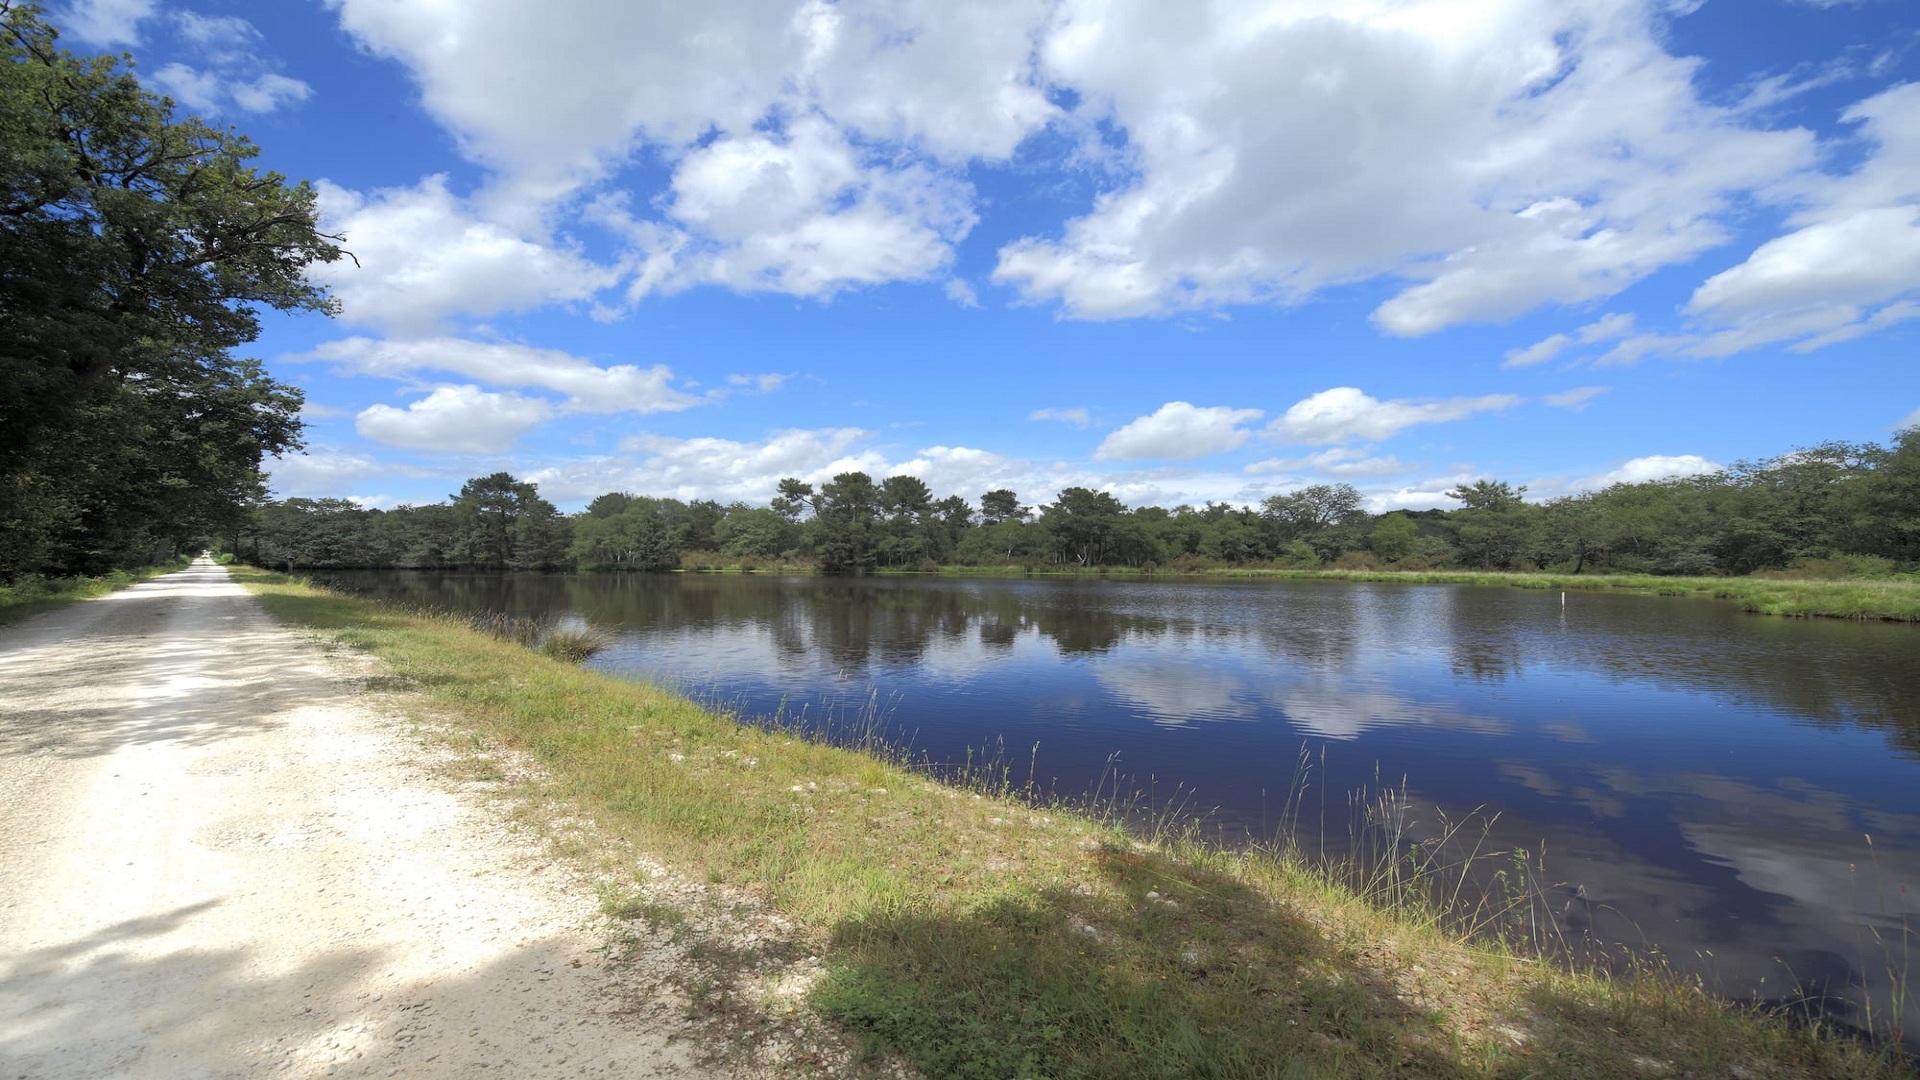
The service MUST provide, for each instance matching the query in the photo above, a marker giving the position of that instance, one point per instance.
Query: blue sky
(1177, 251)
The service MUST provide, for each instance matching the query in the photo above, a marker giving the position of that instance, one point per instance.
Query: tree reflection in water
(1701, 778)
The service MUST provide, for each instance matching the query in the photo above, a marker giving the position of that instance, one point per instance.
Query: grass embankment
(1894, 599)
(978, 937)
(33, 594)
(1891, 599)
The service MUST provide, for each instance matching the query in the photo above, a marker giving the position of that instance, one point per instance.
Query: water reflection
(1702, 779)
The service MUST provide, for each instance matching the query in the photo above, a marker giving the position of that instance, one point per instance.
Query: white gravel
(218, 860)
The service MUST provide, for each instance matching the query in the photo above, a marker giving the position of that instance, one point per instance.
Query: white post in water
(1563, 599)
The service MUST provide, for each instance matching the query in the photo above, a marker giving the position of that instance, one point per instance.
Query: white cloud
(424, 255)
(1912, 419)
(455, 419)
(813, 147)
(1850, 266)
(749, 470)
(1501, 155)
(706, 467)
(589, 387)
(1539, 352)
(1606, 329)
(1343, 461)
(1652, 467)
(806, 214)
(321, 473)
(107, 23)
(1578, 398)
(1640, 346)
(1345, 413)
(211, 92)
(1078, 417)
(765, 384)
(1492, 156)
(233, 76)
(1178, 431)
(962, 293)
(219, 35)
(1427, 494)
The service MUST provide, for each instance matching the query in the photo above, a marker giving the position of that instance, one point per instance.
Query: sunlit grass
(979, 934)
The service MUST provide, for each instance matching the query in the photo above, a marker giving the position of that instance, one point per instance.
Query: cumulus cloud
(749, 470)
(1578, 398)
(589, 387)
(1346, 413)
(211, 92)
(1501, 156)
(1429, 493)
(1606, 329)
(1342, 461)
(322, 472)
(813, 147)
(425, 255)
(455, 419)
(1078, 417)
(1491, 157)
(1850, 266)
(804, 213)
(709, 467)
(962, 293)
(1652, 467)
(107, 23)
(728, 469)
(1178, 431)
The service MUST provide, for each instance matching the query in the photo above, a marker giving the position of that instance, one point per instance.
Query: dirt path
(216, 860)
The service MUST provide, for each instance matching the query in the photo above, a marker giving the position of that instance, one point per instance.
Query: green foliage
(1393, 537)
(1835, 510)
(627, 532)
(134, 249)
(503, 524)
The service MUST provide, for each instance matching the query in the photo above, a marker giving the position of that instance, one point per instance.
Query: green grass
(974, 935)
(32, 594)
(1892, 599)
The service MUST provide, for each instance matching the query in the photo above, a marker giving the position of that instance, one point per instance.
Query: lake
(1703, 780)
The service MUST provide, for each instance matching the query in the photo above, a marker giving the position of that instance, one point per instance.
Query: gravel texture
(218, 859)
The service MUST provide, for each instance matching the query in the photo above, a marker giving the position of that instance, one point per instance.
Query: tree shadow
(139, 999)
(163, 662)
(1176, 972)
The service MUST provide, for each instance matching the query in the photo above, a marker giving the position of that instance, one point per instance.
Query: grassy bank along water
(32, 594)
(972, 934)
(1894, 599)
(1889, 599)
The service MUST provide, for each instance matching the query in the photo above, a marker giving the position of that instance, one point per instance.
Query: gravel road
(218, 860)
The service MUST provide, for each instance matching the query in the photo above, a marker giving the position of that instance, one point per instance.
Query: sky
(1212, 250)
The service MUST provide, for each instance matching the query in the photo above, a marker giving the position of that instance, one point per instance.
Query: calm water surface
(1706, 778)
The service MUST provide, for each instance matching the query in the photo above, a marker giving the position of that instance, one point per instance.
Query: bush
(1833, 568)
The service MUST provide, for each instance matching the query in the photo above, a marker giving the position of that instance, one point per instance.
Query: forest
(1838, 509)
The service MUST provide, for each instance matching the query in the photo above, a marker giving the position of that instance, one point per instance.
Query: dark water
(1704, 779)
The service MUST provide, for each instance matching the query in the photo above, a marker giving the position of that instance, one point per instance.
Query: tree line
(1834, 508)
